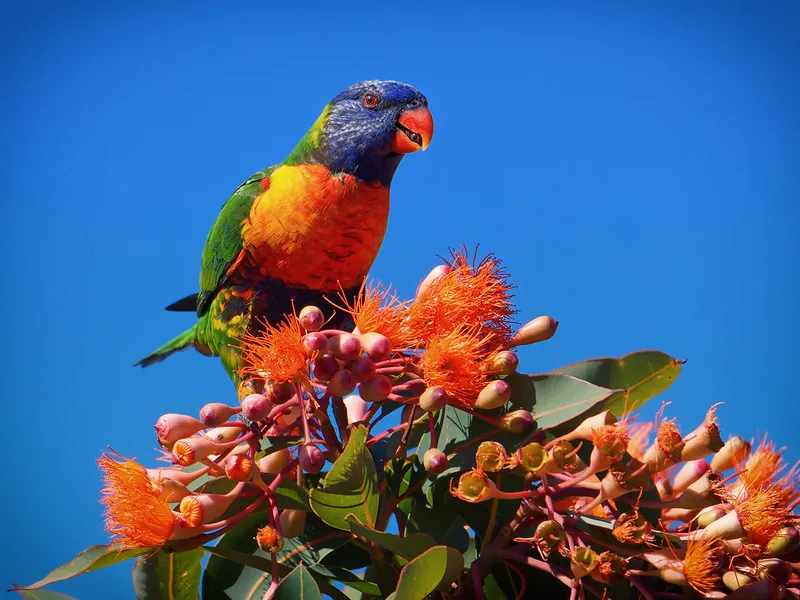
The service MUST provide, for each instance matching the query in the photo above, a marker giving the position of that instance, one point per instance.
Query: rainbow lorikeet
(307, 227)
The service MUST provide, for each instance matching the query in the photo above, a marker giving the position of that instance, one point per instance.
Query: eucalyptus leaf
(174, 575)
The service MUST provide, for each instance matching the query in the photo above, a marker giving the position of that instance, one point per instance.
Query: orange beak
(414, 131)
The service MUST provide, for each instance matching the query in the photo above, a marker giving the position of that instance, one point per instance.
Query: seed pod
(584, 560)
(784, 542)
(611, 569)
(537, 330)
(315, 343)
(733, 580)
(293, 522)
(363, 369)
(494, 395)
(217, 413)
(256, 407)
(269, 540)
(518, 422)
(435, 461)
(505, 362)
(345, 346)
(342, 383)
(490, 457)
(311, 458)
(473, 486)
(325, 367)
(377, 346)
(549, 536)
(533, 458)
(433, 398)
(565, 457)
(311, 318)
(172, 427)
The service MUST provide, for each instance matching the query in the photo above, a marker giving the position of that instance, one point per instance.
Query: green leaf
(345, 577)
(43, 595)
(174, 575)
(640, 375)
(91, 559)
(440, 565)
(555, 398)
(351, 486)
(408, 547)
(298, 585)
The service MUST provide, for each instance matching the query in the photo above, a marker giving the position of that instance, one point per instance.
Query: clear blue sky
(636, 166)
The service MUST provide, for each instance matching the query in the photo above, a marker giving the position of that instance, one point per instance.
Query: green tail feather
(183, 341)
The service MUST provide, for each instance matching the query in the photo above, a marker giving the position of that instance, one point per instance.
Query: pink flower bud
(688, 474)
(435, 461)
(494, 395)
(363, 369)
(188, 451)
(324, 367)
(256, 407)
(293, 522)
(377, 346)
(356, 409)
(345, 346)
(342, 383)
(223, 434)
(311, 318)
(315, 343)
(376, 389)
(505, 363)
(172, 427)
(538, 330)
(217, 413)
(311, 458)
(275, 462)
(433, 398)
(518, 422)
(436, 273)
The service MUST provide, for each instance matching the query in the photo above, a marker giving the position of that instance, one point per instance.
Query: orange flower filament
(277, 353)
(611, 440)
(701, 563)
(135, 515)
(377, 309)
(457, 362)
(764, 512)
(474, 297)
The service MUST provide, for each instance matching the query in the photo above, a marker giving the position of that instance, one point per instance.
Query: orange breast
(313, 230)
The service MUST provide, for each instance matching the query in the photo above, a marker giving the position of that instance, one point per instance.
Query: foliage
(494, 484)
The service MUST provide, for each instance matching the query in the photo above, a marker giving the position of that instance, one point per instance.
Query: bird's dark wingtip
(186, 304)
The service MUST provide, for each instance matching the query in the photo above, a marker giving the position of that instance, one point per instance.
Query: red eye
(370, 100)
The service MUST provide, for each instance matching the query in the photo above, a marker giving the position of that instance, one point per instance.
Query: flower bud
(764, 589)
(170, 490)
(473, 486)
(584, 561)
(315, 343)
(433, 398)
(784, 542)
(275, 462)
(172, 427)
(342, 383)
(704, 440)
(538, 330)
(205, 508)
(491, 457)
(549, 536)
(494, 395)
(345, 346)
(733, 580)
(377, 346)
(436, 273)
(311, 318)
(708, 515)
(269, 540)
(363, 369)
(611, 569)
(688, 474)
(505, 362)
(293, 522)
(734, 452)
(518, 422)
(776, 569)
(311, 458)
(256, 407)
(356, 409)
(188, 451)
(217, 413)
(376, 389)
(278, 393)
(325, 367)
(223, 435)
(533, 458)
(239, 467)
(435, 461)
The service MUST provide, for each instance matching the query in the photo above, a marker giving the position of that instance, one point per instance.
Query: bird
(308, 228)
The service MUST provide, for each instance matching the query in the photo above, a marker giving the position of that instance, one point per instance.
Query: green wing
(224, 241)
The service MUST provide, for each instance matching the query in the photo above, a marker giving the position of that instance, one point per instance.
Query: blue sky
(636, 166)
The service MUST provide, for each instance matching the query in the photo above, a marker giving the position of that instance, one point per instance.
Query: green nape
(310, 140)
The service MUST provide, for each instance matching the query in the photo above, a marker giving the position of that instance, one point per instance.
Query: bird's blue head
(367, 129)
